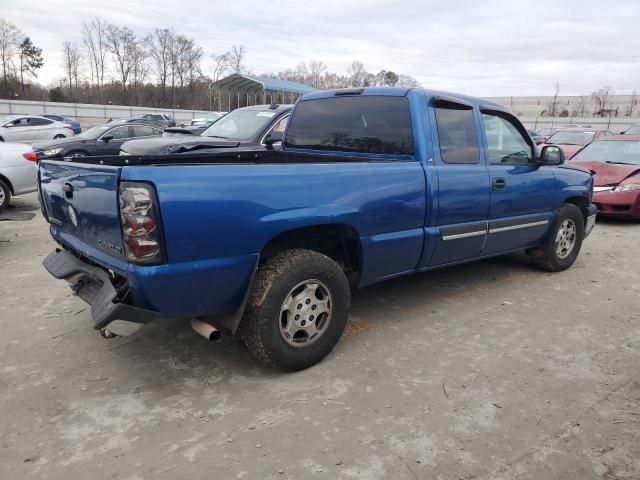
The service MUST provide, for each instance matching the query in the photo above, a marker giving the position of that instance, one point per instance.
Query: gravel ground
(488, 370)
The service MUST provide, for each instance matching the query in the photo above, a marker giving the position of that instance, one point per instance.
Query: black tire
(275, 280)
(1, 139)
(548, 256)
(6, 194)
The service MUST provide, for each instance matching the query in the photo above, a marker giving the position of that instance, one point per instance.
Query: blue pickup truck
(370, 184)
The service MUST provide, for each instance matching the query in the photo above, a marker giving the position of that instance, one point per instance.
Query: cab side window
(457, 133)
(505, 143)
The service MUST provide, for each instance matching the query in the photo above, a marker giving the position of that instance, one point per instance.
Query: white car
(208, 120)
(18, 171)
(30, 128)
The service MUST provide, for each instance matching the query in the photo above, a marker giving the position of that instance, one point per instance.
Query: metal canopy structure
(239, 90)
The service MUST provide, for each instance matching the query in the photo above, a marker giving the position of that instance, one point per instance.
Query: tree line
(598, 104)
(164, 68)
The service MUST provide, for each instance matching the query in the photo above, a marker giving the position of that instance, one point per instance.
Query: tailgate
(82, 200)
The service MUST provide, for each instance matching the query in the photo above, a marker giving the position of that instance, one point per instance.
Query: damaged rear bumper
(95, 286)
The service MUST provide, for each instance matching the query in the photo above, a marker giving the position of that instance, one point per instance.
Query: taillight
(31, 156)
(140, 219)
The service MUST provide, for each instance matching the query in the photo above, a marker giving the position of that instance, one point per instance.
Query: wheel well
(6, 180)
(582, 203)
(337, 241)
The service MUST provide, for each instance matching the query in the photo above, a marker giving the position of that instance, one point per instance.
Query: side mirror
(551, 155)
(107, 138)
(272, 138)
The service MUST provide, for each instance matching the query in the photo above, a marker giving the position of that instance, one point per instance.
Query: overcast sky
(479, 47)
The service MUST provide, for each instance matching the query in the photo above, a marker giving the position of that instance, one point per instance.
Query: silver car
(30, 128)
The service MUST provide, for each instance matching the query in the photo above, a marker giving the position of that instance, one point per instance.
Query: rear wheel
(563, 245)
(297, 309)
(5, 194)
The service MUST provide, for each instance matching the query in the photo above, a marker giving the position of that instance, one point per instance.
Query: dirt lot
(489, 370)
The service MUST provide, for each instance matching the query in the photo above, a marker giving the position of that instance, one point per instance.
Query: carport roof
(239, 81)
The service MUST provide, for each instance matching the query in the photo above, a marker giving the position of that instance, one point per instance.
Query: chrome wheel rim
(305, 313)
(565, 238)
(2, 195)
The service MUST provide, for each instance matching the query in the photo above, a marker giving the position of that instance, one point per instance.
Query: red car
(570, 140)
(615, 162)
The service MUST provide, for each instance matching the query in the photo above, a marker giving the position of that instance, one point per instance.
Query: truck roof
(403, 91)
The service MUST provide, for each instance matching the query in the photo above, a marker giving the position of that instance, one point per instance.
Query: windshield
(240, 125)
(611, 151)
(571, 138)
(635, 130)
(94, 132)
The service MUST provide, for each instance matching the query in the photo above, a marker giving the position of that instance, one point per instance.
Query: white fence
(614, 124)
(89, 114)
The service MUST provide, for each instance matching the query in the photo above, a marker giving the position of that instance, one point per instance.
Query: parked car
(208, 119)
(18, 171)
(99, 140)
(632, 130)
(370, 184)
(570, 140)
(75, 124)
(159, 120)
(615, 163)
(30, 128)
(536, 137)
(247, 127)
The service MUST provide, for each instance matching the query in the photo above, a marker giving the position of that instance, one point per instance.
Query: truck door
(521, 191)
(464, 191)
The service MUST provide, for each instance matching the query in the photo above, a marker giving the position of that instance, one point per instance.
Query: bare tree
(159, 44)
(552, 103)
(316, 69)
(601, 100)
(236, 58)
(95, 40)
(407, 81)
(122, 43)
(71, 64)
(357, 74)
(140, 70)
(633, 103)
(221, 65)
(9, 41)
(581, 106)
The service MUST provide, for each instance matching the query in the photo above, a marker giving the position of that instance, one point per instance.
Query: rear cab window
(457, 133)
(363, 124)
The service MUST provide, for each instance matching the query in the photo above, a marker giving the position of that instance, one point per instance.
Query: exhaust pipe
(207, 330)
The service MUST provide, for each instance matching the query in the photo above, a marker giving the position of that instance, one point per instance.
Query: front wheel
(297, 309)
(563, 245)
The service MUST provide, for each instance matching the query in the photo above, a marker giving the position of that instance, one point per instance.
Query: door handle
(499, 183)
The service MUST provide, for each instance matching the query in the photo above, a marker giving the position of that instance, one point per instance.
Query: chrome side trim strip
(464, 235)
(515, 227)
